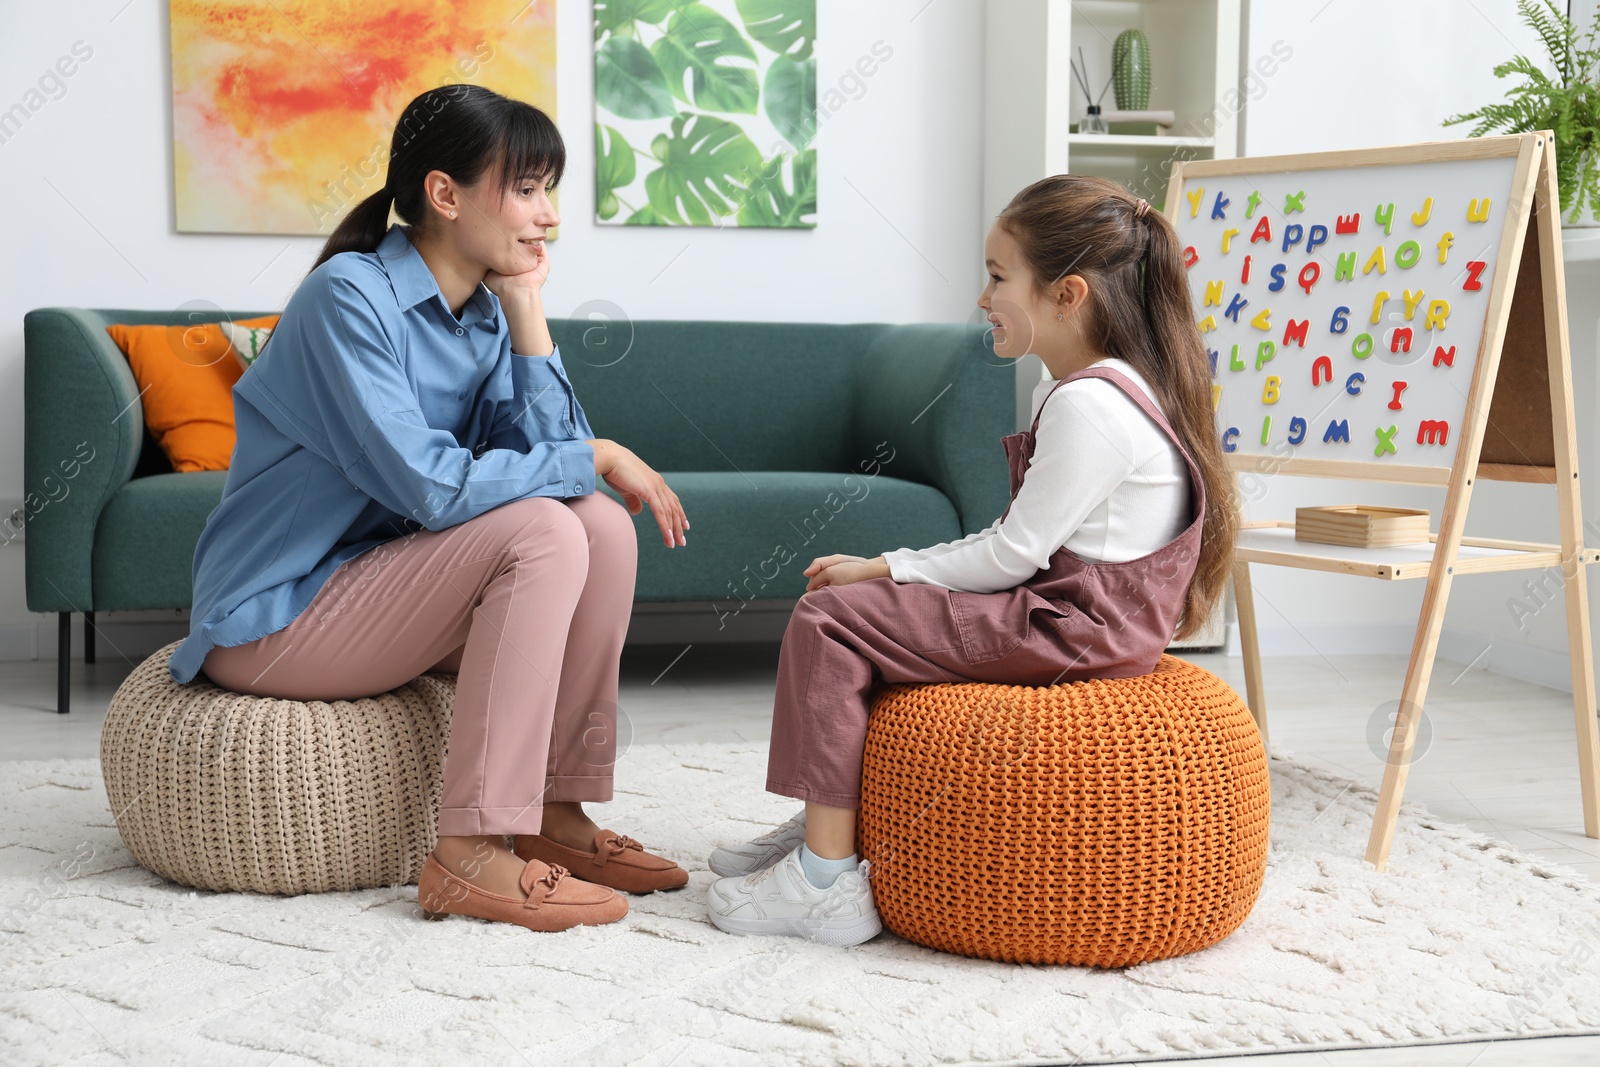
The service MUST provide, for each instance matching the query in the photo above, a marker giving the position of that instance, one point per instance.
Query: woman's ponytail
(361, 229)
(1140, 311)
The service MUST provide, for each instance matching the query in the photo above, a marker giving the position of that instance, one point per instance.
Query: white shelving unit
(1031, 100)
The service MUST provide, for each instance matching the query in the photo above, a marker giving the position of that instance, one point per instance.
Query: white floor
(1500, 758)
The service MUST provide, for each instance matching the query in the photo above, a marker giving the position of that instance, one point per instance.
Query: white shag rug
(100, 960)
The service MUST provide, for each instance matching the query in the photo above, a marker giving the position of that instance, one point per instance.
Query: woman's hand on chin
(527, 283)
(639, 485)
(844, 570)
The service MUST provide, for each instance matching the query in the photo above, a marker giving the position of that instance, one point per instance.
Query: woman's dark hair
(463, 130)
(1140, 311)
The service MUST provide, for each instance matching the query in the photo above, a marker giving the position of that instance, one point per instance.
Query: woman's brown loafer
(555, 901)
(617, 861)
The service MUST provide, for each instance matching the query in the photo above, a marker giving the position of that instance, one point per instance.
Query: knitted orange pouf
(1100, 823)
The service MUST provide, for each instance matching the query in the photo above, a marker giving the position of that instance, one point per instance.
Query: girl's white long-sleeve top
(1105, 483)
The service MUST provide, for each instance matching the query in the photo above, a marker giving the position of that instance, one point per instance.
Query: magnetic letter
(1348, 223)
(1234, 362)
(1277, 278)
(1309, 275)
(1216, 395)
(1292, 235)
(1478, 210)
(1195, 196)
(1236, 305)
(1190, 256)
(1438, 311)
(1406, 256)
(1266, 427)
(1341, 320)
(1250, 204)
(1433, 432)
(1444, 355)
(1383, 215)
(1263, 321)
(1294, 201)
(1211, 354)
(1227, 238)
(1375, 260)
(1297, 430)
(1445, 241)
(1394, 402)
(1412, 300)
(1378, 300)
(1345, 269)
(1338, 430)
(1475, 267)
(1317, 235)
(1264, 353)
(1361, 347)
(1263, 231)
(1227, 439)
(1207, 324)
(1244, 275)
(1213, 294)
(1220, 205)
(1385, 439)
(1296, 331)
(1321, 370)
(1401, 338)
(1269, 391)
(1420, 218)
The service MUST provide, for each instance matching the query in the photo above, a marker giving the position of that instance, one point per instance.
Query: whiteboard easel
(1516, 423)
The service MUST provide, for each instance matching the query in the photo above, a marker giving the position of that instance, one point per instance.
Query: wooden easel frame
(1539, 303)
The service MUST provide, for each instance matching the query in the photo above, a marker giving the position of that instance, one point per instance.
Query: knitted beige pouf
(225, 791)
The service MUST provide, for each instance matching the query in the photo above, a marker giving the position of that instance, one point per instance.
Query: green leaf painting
(705, 112)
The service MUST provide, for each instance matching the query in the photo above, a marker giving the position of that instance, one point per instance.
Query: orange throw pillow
(186, 376)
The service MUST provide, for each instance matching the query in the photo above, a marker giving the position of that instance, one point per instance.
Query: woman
(413, 489)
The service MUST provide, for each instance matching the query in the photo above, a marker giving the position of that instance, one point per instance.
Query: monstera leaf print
(705, 162)
(788, 27)
(720, 63)
(723, 94)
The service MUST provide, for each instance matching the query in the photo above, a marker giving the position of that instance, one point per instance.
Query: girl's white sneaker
(778, 901)
(731, 861)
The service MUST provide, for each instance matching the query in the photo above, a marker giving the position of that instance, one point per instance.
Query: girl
(1119, 532)
(413, 489)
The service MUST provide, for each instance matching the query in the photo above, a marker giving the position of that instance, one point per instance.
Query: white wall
(88, 185)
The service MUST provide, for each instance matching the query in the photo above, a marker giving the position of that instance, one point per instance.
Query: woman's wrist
(530, 333)
(605, 455)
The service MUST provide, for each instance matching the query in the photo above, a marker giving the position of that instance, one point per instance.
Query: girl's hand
(639, 485)
(844, 570)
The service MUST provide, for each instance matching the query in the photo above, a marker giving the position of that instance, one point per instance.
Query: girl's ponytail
(1169, 311)
(1140, 311)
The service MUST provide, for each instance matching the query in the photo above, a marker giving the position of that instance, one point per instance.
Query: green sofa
(784, 441)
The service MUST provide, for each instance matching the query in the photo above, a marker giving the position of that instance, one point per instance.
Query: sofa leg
(63, 660)
(88, 637)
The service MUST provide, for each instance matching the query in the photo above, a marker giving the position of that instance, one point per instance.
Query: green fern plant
(1567, 104)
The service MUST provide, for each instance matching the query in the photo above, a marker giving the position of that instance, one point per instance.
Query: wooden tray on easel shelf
(1361, 525)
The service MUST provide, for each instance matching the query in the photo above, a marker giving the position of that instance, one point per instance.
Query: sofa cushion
(186, 375)
(135, 566)
(752, 534)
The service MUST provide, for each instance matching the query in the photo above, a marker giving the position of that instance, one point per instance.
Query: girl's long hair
(1140, 311)
(462, 130)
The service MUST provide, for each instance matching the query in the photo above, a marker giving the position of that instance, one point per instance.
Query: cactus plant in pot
(1566, 102)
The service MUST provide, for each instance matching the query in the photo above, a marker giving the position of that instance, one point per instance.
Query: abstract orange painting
(282, 111)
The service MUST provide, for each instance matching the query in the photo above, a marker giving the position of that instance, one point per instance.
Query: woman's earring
(1058, 316)
(453, 215)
